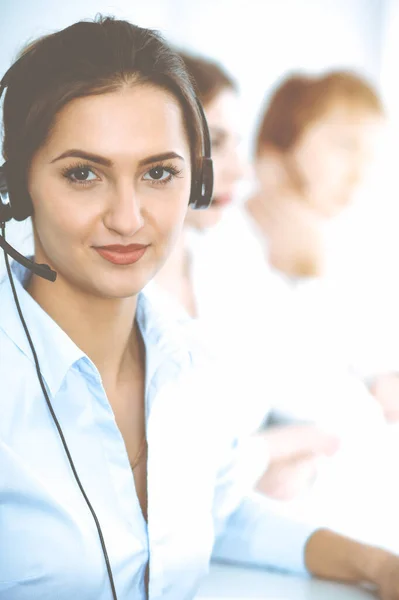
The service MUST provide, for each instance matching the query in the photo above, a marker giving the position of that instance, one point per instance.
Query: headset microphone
(6, 215)
(41, 270)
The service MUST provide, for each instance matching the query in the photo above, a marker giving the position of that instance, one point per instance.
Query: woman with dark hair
(107, 489)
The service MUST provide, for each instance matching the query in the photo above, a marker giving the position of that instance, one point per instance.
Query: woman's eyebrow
(106, 162)
(160, 157)
(74, 153)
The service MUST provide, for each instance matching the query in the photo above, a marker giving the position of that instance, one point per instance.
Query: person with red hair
(313, 147)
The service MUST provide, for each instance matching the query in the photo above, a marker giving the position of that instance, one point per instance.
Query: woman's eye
(82, 175)
(157, 174)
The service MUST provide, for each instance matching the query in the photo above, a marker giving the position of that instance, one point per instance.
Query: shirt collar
(56, 352)
(165, 340)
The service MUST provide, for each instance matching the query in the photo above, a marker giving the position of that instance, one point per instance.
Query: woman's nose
(124, 214)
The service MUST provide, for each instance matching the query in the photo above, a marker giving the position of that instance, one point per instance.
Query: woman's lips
(122, 255)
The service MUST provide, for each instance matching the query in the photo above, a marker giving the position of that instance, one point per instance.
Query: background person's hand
(286, 479)
(299, 441)
(294, 452)
(332, 556)
(386, 578)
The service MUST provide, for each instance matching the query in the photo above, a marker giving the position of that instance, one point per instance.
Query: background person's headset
(17, 204)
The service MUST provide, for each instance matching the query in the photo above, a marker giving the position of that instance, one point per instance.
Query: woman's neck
(104, 329)
(292, 231)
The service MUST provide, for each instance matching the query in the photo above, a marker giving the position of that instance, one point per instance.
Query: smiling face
(114, 171)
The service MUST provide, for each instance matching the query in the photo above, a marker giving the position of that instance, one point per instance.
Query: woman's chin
(119, 285)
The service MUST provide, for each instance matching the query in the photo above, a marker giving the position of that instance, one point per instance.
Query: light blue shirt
(49, 546)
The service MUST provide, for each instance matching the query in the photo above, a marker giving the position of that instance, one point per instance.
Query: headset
(15, 203)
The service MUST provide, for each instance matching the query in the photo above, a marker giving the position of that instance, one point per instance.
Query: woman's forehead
(131, 120)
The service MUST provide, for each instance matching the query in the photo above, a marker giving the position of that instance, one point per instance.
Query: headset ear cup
(20, 204)
(22, 209)
(5, 208)
(207, 182)
(202, 187)
(194, 191)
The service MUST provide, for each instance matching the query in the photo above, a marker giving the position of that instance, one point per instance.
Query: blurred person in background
(282, 376)
(217, 273)
(314, 145)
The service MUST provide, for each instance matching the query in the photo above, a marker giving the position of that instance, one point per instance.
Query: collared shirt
(49, 545)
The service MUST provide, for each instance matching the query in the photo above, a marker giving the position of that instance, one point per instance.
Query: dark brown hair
(89, 57)
(299, 101)
(207, 76)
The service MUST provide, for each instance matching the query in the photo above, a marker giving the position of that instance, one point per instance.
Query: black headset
(15, 203)
(202, 182)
